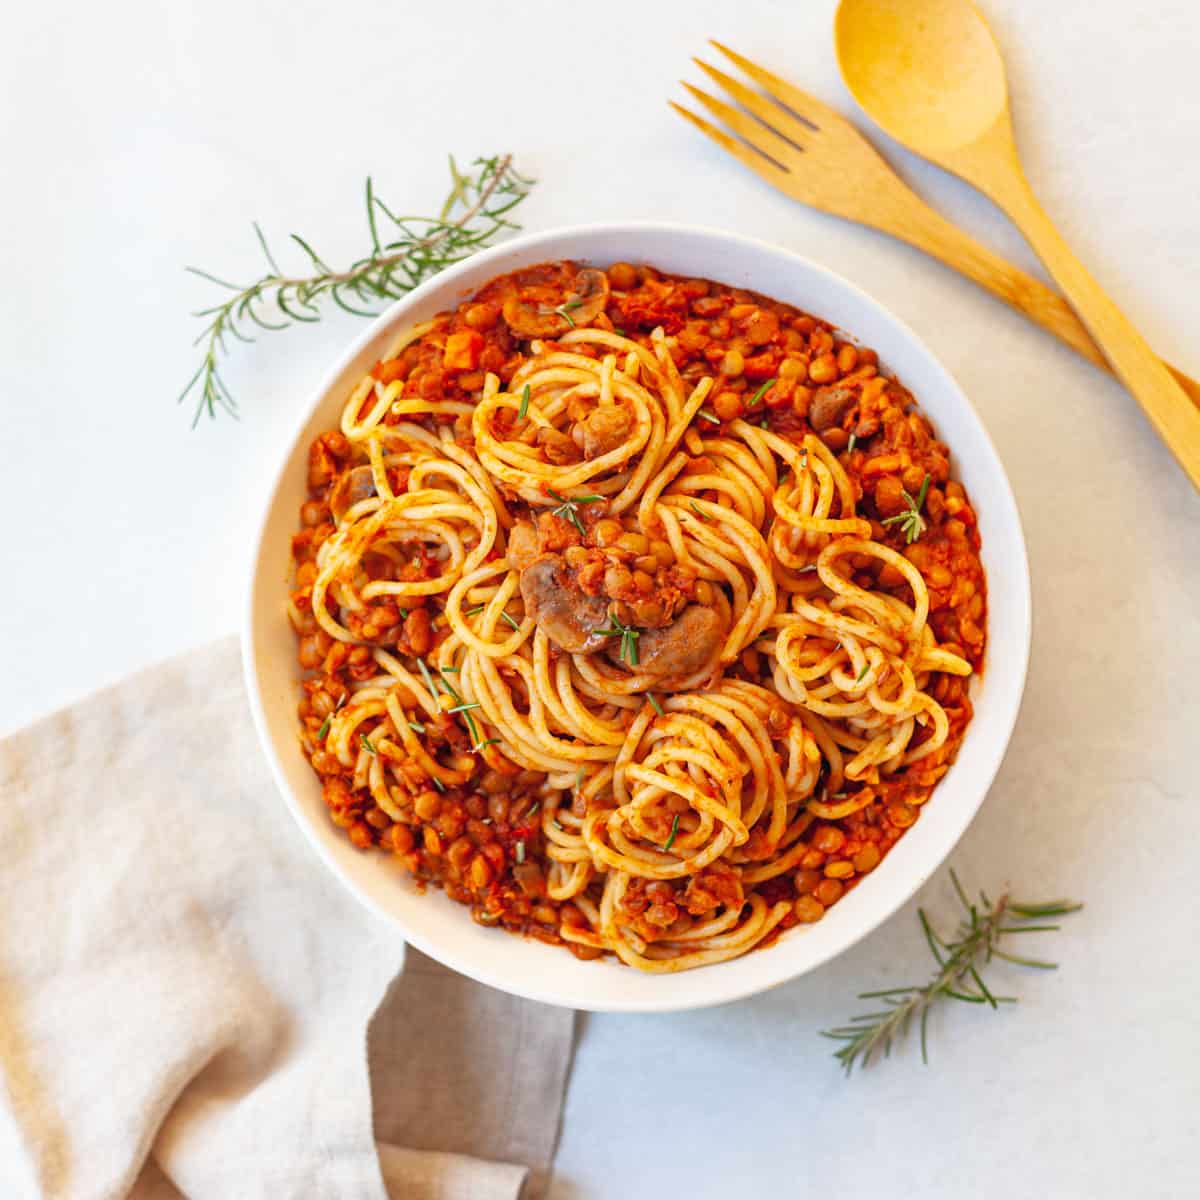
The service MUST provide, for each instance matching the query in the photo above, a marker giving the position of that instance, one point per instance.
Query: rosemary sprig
(912, 524)
(628, 634)
(524, 403)
(568, 507)
(959, 961)
(404, 251)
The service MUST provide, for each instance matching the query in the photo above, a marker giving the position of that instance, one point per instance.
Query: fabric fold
(185, 992)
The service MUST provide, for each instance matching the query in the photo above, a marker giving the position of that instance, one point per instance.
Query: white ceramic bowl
(444, 929)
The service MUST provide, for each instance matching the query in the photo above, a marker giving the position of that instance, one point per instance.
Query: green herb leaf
(762, 391)
(568, 507)
(564, 311)
(628, 634)
(416, 727)
(519, 852)
(852, 443)
(674, 830)
(863, 673)
(911, 523)
(524, 409)
(711, 418)
(367, 745)
(658, 708)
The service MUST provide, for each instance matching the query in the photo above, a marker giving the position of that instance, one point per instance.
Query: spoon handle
(925, 228)
(1171, 413)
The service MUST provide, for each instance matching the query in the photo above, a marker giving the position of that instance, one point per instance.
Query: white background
(138, 137)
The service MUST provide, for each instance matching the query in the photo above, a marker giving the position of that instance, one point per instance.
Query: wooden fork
(813, 154)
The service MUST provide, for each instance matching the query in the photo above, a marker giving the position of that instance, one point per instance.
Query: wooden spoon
(929, 73)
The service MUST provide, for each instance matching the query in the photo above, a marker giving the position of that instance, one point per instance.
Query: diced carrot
(462, 350)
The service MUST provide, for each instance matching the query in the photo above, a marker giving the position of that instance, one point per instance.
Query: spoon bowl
(928, 72)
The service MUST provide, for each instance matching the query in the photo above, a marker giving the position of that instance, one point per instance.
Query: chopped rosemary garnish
(474, 612)
(533, 810)
(912, 524)
(558, 825)
(568, 507)
(762, 391)
(619, 332)
(805, 569)
(674, 830)
(658, 708)
(863, 673)
(511, 620)
(628, 634)
(489, 742)
(329, 718)
(698, 510)
(416, 726)
(519, 852)
(449, 687)
(465, 707)
(580, 776)
(428, 679)
(403, 613)
(711, 418)
(437, 783)
(959, 960)
(564, 311)
(852, 443)
(400, 257)
(524, 403)
(367, 744)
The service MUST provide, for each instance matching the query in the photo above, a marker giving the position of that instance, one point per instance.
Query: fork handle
(926, 229)
(1143, 374)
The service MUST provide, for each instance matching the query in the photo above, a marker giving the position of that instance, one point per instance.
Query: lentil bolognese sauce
(636, 612)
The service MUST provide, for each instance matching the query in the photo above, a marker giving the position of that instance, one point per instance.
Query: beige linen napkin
(185, 993)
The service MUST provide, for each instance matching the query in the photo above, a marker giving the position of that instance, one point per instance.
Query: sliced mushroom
(688, 644)
(569, 618)
(529, 314)
(351, 488)
(829, 407)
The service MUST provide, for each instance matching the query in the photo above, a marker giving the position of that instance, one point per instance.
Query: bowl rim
(714, 989)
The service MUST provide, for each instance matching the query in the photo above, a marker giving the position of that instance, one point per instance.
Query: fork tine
(776, 118)
(764, 140)
(800, 102)
(747, 157)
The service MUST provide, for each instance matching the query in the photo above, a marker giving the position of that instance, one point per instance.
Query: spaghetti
(636, 612)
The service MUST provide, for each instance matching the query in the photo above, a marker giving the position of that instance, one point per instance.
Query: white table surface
(142, 136)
